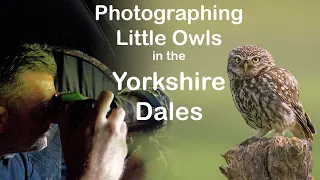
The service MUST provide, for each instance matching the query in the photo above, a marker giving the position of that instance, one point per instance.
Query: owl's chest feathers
(259, 104)
(246, 95)
(255, 100)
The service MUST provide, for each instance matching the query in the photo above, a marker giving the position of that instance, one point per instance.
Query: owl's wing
(286, 86)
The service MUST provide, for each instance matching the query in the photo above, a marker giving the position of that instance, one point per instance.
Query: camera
(79, 107)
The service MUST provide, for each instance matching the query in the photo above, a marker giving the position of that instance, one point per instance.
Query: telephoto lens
(79, 107)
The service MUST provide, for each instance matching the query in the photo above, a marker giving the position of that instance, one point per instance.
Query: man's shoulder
(18, 166)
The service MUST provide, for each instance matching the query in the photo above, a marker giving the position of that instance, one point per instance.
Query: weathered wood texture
(279, 158)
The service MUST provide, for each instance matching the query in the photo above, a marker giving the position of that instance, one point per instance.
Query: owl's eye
(255, 60)
(237, 60)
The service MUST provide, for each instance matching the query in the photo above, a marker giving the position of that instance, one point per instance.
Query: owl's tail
(304, 130)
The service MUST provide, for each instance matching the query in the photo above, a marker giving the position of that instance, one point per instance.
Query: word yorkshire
(170, 83)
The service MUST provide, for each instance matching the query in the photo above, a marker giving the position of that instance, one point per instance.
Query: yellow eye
(237, 60)
(255, 60)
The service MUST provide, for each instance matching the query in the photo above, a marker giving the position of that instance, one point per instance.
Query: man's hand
(96, 149)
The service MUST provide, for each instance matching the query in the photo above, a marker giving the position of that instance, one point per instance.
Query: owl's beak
(245, 66)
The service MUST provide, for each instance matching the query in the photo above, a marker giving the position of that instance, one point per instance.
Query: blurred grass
(288, 29)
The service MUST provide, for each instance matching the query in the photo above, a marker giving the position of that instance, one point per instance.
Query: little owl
(266, 95)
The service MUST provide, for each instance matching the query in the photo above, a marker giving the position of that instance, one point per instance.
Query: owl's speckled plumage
(266, 95)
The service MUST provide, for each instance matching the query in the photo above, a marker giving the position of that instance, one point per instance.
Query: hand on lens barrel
(96, 149)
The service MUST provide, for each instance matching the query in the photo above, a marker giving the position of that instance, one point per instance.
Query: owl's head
(248, 61)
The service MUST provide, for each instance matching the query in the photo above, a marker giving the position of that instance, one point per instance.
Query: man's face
(30, 123)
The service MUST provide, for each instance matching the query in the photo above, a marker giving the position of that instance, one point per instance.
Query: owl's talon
(249, 141)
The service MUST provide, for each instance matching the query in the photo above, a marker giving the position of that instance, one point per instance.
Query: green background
(289, 30)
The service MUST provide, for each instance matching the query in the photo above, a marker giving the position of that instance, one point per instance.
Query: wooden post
(279, 158)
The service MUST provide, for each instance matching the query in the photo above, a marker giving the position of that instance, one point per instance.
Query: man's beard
(32, 141)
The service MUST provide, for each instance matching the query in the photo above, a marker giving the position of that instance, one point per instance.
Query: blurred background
(289, 30)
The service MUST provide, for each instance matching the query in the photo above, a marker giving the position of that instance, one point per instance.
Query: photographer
(96, 149)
